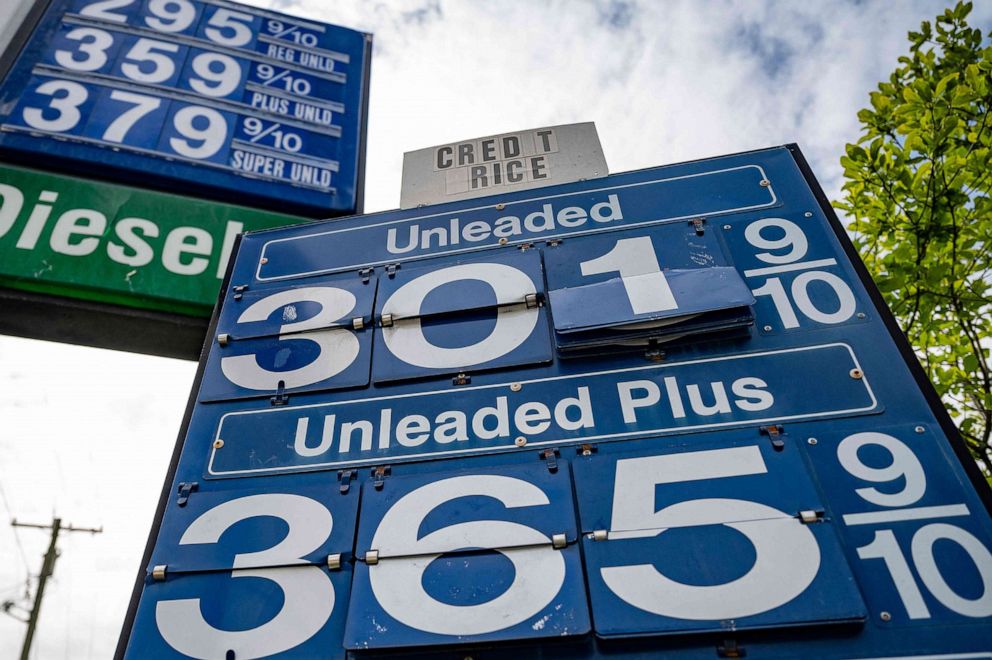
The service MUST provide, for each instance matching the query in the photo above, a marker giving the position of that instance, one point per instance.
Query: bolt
(767, 328)
(885, 616)
(857, 374)
(264, 260)
(726, 226)
(521, 441)
(218, 443)
(861, 315)
(502, 241)
(764, 183)
(516, 387)
(808, 214)
(812, 441)
(920, 429)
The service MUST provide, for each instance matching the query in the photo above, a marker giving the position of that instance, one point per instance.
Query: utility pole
(47, 568)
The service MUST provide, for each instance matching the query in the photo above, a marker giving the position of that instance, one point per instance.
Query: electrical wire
(17, 537)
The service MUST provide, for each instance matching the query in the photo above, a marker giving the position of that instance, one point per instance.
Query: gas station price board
(225, 100)
(663, 412)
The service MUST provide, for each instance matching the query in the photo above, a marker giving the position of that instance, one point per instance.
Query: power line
(17, 537)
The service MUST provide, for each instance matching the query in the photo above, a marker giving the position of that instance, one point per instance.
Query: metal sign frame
(729, 647)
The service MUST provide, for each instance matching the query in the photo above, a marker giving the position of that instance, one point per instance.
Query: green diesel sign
(113, 244)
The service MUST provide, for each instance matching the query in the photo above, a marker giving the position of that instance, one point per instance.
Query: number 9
(904, 464)
(794, 239)
(210, 138)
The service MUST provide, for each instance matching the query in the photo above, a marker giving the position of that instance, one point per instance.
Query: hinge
(379, 474)
(158, 572)
(586, 449)
(334, 561)
(391, 270)
(654, 355)
(185, 488)
(461, 379)
(386, 320)
(372, 557)
(699, 224)
(366, 274)
(358, 323)
(730, 649)
(281, 398)
(550, 457)
(774, 433)
(523, 247)
(554, 242)
(599, 535)
(810, 516)
(344, 478)
(559, 541)
(239, 291)
(532, 300)
(223, 339)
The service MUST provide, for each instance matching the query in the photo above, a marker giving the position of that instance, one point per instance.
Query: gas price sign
(225, 100)
(662, 412)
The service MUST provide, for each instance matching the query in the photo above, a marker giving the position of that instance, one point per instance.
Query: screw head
(500, 206)
(861, 315)
(502, 241)
(218, 443)
(521, 441)
(812, 441)
(764, 183)
(516, 387)
(767, 328)
(885, 616)
(857, 374)
(808, 214)
(920, 429)
(726, 226)
(264, 260)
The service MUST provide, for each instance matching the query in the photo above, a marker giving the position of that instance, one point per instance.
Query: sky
(86, 434)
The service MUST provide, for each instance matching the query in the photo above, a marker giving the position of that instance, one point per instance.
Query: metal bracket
(810, 516)
(559, 541)
(358, 323)
(730, 649)
(334, 561)
(550, 457)
(586, 449)
(344, 478)
(372, 557)
(554, 242)
(532, 300)
(379, 474)
(654, 355)
(774, 433)
(281, 398)
(523, 247)
(158, 572)
(391, 270)
(386, 320)
(223, 339)
(239, 291)
(699, 224)
(366, 274)
(185, 488)
(461, 379)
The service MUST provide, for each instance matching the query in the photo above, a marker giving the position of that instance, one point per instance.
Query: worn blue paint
(817, 342)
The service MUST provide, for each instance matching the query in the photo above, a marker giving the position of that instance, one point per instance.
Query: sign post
(660, 412)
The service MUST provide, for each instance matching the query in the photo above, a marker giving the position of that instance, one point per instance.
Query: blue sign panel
(660, 413)
(446, 556)
(226, 100)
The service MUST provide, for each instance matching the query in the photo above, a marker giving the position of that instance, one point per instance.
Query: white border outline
(406, 458)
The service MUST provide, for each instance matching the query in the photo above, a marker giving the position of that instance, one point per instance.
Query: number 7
(142, 106)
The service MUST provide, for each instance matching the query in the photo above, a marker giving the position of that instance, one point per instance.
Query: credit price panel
(214, 93)
(655, 413)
